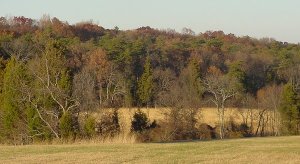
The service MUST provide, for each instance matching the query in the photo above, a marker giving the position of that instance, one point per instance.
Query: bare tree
(50, 93)
(269, 99)
(222, 88)
(183, 100)
(294, 74)
(246, 110)
(187, 31)
(115, 87)
(84, 89)
(163, 79)
(110, 83)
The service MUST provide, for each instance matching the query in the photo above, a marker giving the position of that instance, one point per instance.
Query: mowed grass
(247, 150)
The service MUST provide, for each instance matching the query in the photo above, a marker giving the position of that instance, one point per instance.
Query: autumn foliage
(54, 76)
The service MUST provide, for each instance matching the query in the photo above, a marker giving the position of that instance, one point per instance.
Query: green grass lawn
(249, 150)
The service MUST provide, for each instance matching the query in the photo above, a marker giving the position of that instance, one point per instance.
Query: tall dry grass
(204, 115)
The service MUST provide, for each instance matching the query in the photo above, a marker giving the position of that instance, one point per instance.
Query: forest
(54, 76)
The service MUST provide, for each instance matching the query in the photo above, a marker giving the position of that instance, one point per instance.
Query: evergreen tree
(193, 76)
(290, 110)
(145, 84)
(13, 102)
(236, 71)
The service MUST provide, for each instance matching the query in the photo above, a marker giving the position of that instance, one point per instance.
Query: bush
(89, 127)
(109, 124)
(245, 129)
(139, 122)
(66, 125)
(235, 130)
(141, 126)
(206, 132)
(180, 124)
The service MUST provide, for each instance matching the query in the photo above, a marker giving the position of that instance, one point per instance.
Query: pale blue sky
(279, 19)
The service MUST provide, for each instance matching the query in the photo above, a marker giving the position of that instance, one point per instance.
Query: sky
(278, 19)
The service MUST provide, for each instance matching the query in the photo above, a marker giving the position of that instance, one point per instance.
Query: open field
(205, 115)
(248, 150)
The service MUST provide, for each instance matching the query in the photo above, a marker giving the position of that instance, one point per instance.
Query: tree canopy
(50, 71)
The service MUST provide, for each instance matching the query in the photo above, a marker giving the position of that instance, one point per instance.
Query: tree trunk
(222, 119)
(220, 122)
(251, 120)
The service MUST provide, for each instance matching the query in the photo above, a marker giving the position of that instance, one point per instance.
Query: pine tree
(193, 76)
(145, 84)
(290, 110)
(13, 102)
(236, 71)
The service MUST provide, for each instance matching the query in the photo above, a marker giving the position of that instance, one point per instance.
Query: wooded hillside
(51, 72)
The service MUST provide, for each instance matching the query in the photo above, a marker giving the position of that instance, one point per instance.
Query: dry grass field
(247, 150)
(205, 115)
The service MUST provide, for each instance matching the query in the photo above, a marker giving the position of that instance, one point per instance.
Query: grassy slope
(250, 150)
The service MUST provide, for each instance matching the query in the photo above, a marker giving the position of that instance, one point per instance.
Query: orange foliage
(99, 63)
(213, 70)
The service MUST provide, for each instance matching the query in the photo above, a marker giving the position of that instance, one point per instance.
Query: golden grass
(205, 115)
(248, 150)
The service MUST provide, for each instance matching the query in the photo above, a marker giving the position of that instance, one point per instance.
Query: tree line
(52, 73)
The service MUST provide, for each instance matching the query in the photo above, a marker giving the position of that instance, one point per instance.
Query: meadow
(246, 150)
(204, 115)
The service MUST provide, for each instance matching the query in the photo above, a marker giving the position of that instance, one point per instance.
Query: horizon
(268, 19)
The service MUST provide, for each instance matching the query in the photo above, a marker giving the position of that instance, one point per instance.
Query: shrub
(66, 125)
(245, 129)
(139, 122)
(180, 124)
(235, 130)
(141, 126)
(109, 124)
(89, 127)
(206, 132)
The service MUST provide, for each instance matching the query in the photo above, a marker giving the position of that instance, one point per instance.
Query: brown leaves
(213, 70)
(99, 63)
